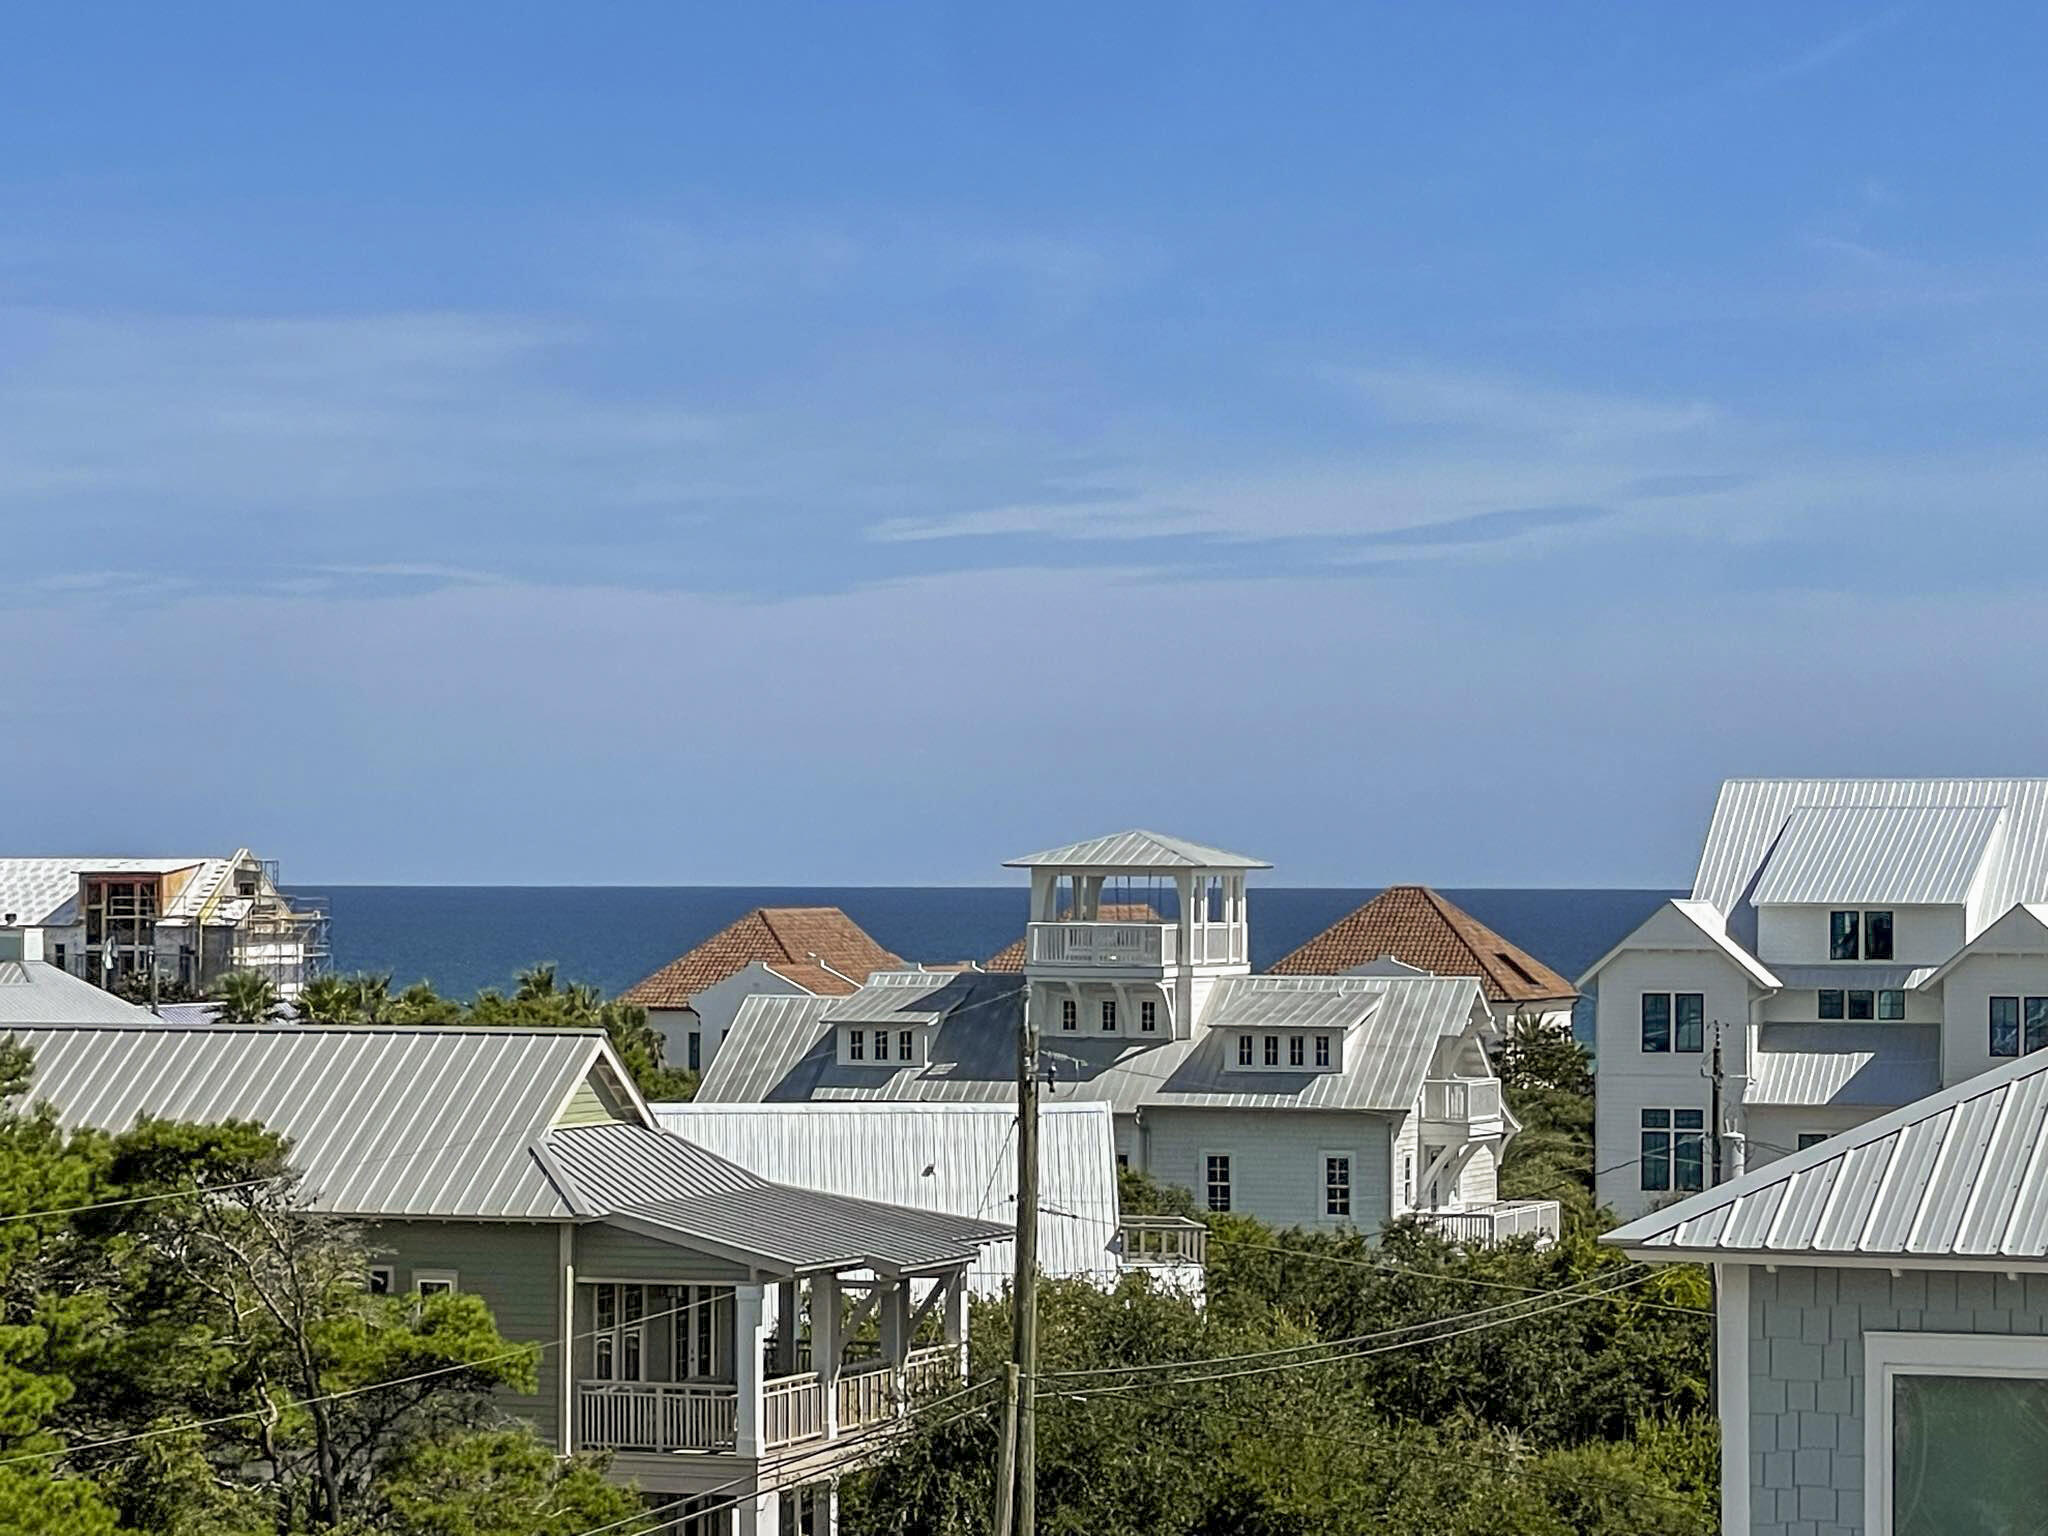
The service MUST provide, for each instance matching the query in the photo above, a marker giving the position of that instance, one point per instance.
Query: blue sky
(856, 444)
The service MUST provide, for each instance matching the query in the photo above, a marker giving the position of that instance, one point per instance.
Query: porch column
(785, 1328)
(896, 1320)
(761, 1515)
(825, 1344)
(750, 1338)
(956, 1318)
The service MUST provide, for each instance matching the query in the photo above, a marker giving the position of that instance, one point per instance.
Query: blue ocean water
(462, 938)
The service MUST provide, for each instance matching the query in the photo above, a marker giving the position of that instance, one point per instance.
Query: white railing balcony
(1486, 1225)
(1469, 1102)
(792, 1409)
(1163, 1240)
(867, 1395)
(1148, 946)
(656, 1415)
(927, 1372)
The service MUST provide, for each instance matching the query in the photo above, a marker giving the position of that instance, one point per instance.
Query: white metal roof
(1695, 920)
(898, 997)
(43, 892)
(35, 992)
(1136, 850)
(1958, 1174)
(1860, 1064)
(781, 1050)
(1914, 855)
(1750, 815)
(955, 1158)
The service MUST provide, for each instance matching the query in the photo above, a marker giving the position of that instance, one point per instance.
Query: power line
(1360, 1354)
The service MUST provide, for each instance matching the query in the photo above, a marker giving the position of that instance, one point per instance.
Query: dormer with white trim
(1128, 933)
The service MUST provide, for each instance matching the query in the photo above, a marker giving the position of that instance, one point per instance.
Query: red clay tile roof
(1011, 956)
(1418, 927)
(806, 944)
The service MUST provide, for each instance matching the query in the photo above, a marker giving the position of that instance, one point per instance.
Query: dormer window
(1070, 1016)
(1860, 935)
(1244, 1050)
(1272, 1050)
(856, 1044)
(1842, 937)
(1148, 1016)
(1322, 1050)
(906, 1046)
(1108, 1016)
(1294, 1051)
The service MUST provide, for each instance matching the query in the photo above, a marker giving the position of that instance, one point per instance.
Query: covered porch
(754, 1369)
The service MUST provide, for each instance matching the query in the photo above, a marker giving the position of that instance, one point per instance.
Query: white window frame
(1070, 1015)
(447, 1279)
(1350, 1160)
(906, 1046)
(389, 1272)
(1108, 1016)
(1229, 1182)
(1148, 1016)
(1887, 1356)
(1247, 1051)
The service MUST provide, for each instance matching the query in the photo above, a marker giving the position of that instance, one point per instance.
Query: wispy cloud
(1821, 54)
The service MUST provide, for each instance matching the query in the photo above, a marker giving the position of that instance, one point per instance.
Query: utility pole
(1017, 1472)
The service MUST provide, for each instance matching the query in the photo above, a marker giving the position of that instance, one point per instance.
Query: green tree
(501, 1483)
(246, 997)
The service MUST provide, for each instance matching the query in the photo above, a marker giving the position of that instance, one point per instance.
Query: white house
(1852, 945)
(778, 951)
(186, 921)
(1881, 1328)
(1305, 1100)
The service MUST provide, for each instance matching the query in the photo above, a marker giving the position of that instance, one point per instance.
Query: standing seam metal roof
(1860, 1064)
(1751, 814)
(1956, 1175)
(1914, 855)
(36, 992)
(781, 1050)
(1136, 849)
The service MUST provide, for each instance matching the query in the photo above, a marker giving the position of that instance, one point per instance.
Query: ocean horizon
(463, 938)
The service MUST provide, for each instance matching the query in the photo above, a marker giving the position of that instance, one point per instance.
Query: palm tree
(246, 997)
(327, 1000)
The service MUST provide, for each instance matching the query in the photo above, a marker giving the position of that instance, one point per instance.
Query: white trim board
(1886, 1356)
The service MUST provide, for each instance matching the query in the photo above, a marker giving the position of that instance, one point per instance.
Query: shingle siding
(514, 1267)
(1806, 1329)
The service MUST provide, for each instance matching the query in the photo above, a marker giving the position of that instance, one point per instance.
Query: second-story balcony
(1132, 946)
(1469, 1105)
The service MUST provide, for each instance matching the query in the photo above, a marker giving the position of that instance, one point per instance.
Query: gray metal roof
(1955, 1175)
(434, 1121)
(1136, 850)
(900, 997)
(956, 1158)
(36, 992)
(649, 1178)
(1288, 1002)
(1915, 855)
(1859, 1064)
(781, 1050)
(1751, 815)
(1876, 978)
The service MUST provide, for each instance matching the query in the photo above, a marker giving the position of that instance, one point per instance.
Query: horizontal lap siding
(612, 1253)
(514, 1268)
(1276, 1159)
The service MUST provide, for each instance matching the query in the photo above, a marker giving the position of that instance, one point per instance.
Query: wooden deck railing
(656, 1415)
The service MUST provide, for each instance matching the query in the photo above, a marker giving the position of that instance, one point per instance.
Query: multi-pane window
(1322, 1050)
(1336, 1184)
(1842, 937)
(1891, 1005)
(881, 1045)
(906, 1045)
(1674, 1149)
(701, 1330)
(1219, 1182)
(1070, 1016)
(1862, 1005)
(1688, 1009)
(383, 1280)
(1295, 1056)
(1859, 935)
(1148, 1016)
(1272, 1050)
(1109, 1015)
(2005, 1026)
(1833, 1003)
(856, 1044)
(1244, 1050)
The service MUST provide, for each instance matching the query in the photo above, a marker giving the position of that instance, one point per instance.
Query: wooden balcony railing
(867, 1395)
(1486, 1225)
(656, 1415)
(1461, 1100)
(1163, 1240)
(792, 1409)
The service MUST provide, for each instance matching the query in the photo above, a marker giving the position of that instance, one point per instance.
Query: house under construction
(171, 925)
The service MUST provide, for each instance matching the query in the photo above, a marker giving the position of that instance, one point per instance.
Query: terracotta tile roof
(1011, 956)
(1418, 927)
(806, 944)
